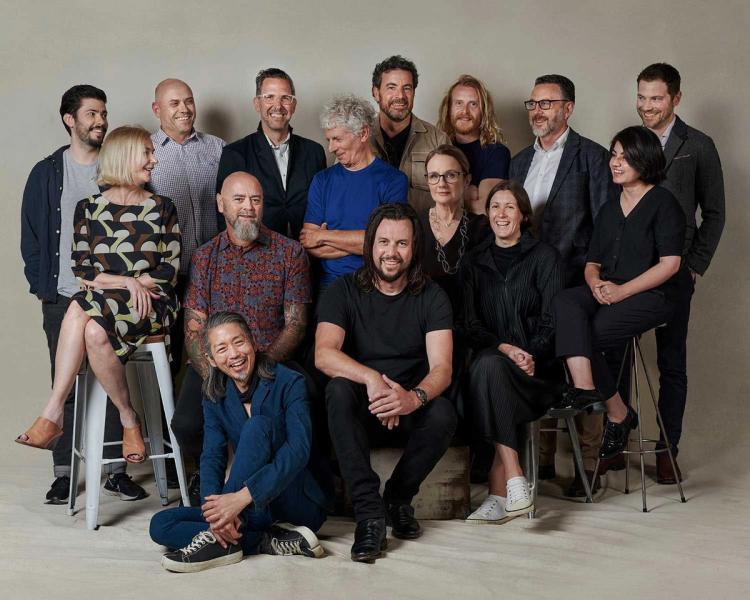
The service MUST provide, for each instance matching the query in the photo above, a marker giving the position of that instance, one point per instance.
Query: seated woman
(635, 251)
(126, 248)
(508, 284)
(450, 230)
(260, 409)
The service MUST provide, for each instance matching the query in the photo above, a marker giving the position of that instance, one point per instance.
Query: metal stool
(632, 353)
(148, 373)
(531, 450)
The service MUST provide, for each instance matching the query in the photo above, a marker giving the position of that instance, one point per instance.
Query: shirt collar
(282, 145)
(559, 142)
(161, 138)
(664, 137)
(264, 239)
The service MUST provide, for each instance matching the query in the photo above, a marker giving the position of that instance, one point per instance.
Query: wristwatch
(421, 395)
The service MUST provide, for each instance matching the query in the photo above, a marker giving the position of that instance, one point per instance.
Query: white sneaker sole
(122, 496)
(181, 567)
(519, 511)
(310, 537)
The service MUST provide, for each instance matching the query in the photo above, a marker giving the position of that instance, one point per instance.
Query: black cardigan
(516, 308)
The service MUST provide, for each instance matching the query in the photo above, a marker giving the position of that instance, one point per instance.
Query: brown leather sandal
(42, 434)
(133, 446)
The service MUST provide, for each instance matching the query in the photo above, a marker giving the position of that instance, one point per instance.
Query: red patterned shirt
(254, 281)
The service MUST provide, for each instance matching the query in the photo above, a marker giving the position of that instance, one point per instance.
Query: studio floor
(608, 550)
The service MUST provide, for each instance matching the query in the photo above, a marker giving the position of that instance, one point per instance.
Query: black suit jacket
(582, 184)
(283, 210)
(695, 177)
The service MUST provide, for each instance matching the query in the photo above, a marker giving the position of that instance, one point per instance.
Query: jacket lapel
(570, 151)
(675, 141)
(266, 159)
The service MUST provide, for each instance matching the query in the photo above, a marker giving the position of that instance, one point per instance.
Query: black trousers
(671, 357)
(53, 314)
(425, 435)
(583, 327)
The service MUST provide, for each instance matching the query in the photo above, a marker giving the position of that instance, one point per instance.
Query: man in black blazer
(568, 180)
(283, 162)
(695, 177)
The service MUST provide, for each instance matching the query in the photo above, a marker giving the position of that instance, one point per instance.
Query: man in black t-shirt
(384, 337)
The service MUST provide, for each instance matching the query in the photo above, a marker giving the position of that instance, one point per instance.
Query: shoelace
(198, 542)
(286, 547)
(488, 506)
(518, 490)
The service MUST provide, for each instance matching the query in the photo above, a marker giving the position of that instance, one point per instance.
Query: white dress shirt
(542, 171)
(281, 154)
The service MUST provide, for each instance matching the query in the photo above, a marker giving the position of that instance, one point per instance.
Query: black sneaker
(283, 539)
(59, 491)
(202, 553)
(120, 484)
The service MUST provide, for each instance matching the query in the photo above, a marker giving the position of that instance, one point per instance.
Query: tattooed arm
(195, 326)
(295, 325)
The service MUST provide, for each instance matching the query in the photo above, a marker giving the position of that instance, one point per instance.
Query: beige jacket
(423, 138)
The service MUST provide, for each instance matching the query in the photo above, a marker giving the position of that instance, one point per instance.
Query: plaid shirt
(186, 173)
(254, 281)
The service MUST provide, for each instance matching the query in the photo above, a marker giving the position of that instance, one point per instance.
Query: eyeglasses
(543, 104)
(285, 99)
(433, 178)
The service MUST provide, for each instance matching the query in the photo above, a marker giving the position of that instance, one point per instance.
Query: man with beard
(343, 196)
(401, 138)
(283, 162)
(467, 116)
(384, 337)
(568, 180)
(53, 190)
(695, 177)
(248, 269)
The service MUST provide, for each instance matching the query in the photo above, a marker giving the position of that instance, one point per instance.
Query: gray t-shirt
(79, 182)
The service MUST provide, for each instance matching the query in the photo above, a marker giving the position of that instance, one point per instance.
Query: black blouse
(514, 308)
(626, 247)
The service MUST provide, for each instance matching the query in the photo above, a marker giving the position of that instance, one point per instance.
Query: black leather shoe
(59, 491)
(369, 540)
(576, 399)
(615, 437)
(575, 489)
(616, 463)
(665, 475)
(403, 524)
(546, 472)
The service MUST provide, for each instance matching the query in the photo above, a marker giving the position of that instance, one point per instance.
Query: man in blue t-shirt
(341, 198)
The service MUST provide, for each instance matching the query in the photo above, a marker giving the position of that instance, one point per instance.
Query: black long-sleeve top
(514, 308)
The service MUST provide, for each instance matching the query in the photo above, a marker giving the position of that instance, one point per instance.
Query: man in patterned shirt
(248, 269)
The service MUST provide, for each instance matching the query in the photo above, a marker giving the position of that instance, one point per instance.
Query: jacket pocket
(418, 178)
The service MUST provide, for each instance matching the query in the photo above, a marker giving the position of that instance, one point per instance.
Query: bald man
(248, 269)
(188, 162)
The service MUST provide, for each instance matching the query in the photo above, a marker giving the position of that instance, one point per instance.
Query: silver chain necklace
(441, 251)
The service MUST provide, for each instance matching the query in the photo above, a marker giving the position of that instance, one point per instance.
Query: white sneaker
(491, 511)
(519, 498)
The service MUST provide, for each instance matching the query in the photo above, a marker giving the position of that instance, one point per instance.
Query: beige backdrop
(331, 46)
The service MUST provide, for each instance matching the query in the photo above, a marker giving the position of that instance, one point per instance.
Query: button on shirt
(542, 172)
(281, 154)
(253, 281)
(186, 174)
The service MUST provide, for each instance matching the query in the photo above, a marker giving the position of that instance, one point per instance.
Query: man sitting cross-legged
(259, 408)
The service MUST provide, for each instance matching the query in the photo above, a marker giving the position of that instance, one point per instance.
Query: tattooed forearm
(291, 336)
(195, 325)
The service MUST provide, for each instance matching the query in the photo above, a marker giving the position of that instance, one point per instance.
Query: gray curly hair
(348, 111)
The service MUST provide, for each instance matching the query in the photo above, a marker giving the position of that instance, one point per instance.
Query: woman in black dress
(635, 252)
(126, 248)
(509, 282)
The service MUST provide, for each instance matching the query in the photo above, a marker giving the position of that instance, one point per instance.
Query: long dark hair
(215, 385)
(366, 275)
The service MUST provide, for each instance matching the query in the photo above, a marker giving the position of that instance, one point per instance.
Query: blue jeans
(175, 527)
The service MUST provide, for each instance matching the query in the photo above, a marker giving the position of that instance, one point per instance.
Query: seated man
(342, 197)
(260, 409)
(395, 327)
(248, 269)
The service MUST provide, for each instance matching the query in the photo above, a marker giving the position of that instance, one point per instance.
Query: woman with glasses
(126, 249)
(634, 255)
(508, 284)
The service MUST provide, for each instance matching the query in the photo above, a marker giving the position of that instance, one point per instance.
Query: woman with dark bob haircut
(509, 282)
(635, 252)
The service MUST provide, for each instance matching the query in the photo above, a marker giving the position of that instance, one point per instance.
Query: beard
(245, 231)
(84, 134)
(465, 127)
(552, 124)
(392, 277)
(394, 116)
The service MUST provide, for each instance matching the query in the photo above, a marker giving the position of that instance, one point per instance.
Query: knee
(442, 417)
(95, 335)
(160, 525)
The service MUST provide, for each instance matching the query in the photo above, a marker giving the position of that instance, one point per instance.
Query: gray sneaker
(283, 539)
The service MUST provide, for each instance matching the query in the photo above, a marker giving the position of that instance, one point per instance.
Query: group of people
(424, 284)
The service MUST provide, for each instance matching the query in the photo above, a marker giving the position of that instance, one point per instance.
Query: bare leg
(70, 351)
(109, 371)
(580, 373)
(505, 465)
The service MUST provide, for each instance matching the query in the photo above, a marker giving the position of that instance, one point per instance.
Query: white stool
(91, 407)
